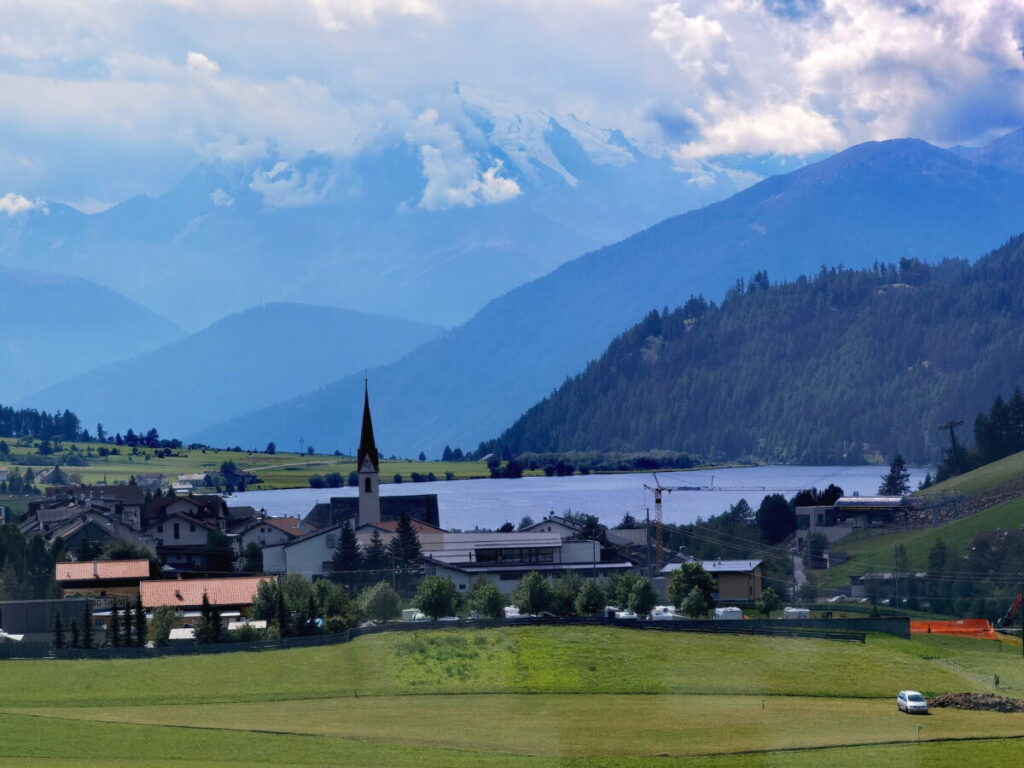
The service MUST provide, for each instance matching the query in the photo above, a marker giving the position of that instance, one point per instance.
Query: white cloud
(453, 175)
(221, 199)
(89, 90)
(285, 186)
(13, 204)
(811, 76)
(201, 63)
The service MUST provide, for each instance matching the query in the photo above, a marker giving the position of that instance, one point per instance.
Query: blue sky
(103, 100)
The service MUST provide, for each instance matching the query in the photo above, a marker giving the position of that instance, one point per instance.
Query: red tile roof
(187, 593)
(293, 526)
(103, 569)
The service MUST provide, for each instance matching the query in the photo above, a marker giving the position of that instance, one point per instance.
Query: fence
(824, 629)
(185, 649)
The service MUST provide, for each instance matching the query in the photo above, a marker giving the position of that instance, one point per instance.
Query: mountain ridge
(269, 351)
(881, 201)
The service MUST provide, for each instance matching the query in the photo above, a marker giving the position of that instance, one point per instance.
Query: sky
(106, 99)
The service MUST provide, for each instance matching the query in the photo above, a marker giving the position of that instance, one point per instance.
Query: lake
(465, 504)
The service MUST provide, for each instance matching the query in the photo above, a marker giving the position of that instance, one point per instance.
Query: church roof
(367, 445)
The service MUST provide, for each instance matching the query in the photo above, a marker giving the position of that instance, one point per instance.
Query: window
(516, 555)
(368, 485)
(332, 540)
(177, 531)
(462, 586)
(191, 527)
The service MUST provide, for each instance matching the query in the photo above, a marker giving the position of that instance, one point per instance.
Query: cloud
(285, 186)
(453, 175)
(13, 204)
(797, 76)
(105, 102)
(201, 63)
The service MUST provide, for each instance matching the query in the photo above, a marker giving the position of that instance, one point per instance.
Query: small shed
(730, 613)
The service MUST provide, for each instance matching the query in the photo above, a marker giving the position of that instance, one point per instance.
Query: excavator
(1011, 614)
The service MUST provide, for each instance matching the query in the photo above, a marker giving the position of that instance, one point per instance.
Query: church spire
(367, 445)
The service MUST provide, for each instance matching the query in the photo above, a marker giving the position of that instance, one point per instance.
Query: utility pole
(896, 574)
(951, 425)
(650, 564)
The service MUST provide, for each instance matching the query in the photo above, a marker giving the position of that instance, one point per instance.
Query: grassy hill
(530, 696)
(982, 479)
(870, 552)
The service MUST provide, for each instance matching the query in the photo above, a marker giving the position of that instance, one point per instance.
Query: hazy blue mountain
(55, 326)
(241, 362)
(1006, 152)
(354, 234)
(873, 202)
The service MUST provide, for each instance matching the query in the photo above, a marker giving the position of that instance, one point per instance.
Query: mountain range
(875, 202)
(242, 362)
(426, 227)
(56, 325)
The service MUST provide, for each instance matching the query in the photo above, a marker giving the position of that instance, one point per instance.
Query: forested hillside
(820, 369)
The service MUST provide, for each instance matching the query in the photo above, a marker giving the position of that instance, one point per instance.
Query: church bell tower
(369, 468)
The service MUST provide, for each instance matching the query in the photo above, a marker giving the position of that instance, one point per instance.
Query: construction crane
(1011, 614)
(658, 490)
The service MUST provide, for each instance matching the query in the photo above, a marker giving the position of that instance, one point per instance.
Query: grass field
(280, 470)
(522, 696)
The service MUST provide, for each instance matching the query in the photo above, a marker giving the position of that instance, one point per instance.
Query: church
(370, 507)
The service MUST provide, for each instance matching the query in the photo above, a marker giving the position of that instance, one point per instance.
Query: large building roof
(101, 570)
(181, 593)
(875, 502)
(719, 566)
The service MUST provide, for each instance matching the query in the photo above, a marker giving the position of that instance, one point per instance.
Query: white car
(911, 702)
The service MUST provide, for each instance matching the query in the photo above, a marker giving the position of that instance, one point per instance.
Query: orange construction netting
(962, 627)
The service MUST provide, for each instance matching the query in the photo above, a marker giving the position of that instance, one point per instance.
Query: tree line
(997, 434)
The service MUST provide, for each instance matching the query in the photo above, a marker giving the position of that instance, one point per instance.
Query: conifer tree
(75, 641)
(58, 630)
(897, 481)
(141, 629)
(114, 628)
(87, 626)
(284, 621)
(208, 626)
(376, 556)
(405, 549)
(347, 558)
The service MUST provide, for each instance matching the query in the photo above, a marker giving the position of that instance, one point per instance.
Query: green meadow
(279, 470)
(530, 696)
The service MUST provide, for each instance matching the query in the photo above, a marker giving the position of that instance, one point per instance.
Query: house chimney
(95, 569)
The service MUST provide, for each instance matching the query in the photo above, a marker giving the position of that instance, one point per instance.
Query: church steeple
(367, 445)
(368, 464)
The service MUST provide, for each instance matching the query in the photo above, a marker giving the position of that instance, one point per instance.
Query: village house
(264, 530)
(567, 529)
(505, 558)
(737, 581)
(108, 583)
(233, 597)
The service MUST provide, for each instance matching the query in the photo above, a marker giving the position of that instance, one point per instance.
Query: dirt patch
(979, 701)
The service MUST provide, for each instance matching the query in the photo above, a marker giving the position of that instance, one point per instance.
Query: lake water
(465, 504)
